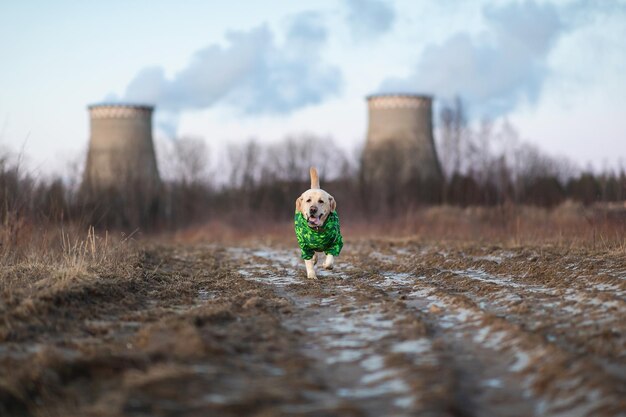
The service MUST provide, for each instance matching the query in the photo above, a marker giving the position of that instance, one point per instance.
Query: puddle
(522, 360)
(394, 386)
(413, 346)
(22, 351)
(278, 281)
(204, 295)
(493, 383)
(393, 279)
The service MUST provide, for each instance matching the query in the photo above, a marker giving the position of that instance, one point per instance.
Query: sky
(230, 71)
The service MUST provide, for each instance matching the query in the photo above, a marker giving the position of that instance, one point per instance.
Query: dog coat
(327, 238)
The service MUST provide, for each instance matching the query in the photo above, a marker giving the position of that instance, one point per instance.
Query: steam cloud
(252, 73)
(369, 18)
(493, 72)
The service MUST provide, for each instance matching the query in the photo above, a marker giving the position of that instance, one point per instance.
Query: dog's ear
(333, 203)
(299, 204)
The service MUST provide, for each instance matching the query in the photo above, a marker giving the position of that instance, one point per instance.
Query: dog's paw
(329, 262)
(310, 267)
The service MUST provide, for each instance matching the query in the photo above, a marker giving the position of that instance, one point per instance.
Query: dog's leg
(329, 261)
(310, 268)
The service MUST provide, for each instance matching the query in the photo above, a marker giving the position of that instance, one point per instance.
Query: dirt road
(398, 329)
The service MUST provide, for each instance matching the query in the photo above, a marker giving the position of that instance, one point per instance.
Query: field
(400, 327)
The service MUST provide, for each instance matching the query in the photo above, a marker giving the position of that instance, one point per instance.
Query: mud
(398, 328)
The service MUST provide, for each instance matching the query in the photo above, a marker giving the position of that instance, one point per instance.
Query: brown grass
(570, 225)
(56, 258)
(33, 260)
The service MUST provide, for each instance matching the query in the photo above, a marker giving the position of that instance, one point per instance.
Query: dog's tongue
(314, 221)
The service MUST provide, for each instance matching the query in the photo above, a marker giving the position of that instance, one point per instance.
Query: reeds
(93, 249)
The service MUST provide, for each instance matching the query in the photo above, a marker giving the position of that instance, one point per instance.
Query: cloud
(588, 10)
(251, 72)
(368, 19)
(308, 29)
(495, 71)
(292, 76)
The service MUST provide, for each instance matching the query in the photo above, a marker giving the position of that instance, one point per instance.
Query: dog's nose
(313, 210)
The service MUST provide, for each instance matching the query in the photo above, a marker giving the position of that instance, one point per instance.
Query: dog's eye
(309, 200)
(320, 201)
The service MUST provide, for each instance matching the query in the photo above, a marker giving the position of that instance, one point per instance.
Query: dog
(317, 226)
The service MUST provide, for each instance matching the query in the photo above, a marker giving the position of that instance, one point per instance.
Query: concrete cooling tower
(401, 129)
(121, 151)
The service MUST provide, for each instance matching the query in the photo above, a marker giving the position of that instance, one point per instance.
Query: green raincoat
(326, 239)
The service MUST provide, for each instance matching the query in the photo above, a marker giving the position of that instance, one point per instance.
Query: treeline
(253, 184)
(491, 165)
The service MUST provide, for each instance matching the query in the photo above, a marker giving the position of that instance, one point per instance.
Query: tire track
(483, 362)
(369, 351)
(380, 352)
(474, 319)
(579, 318)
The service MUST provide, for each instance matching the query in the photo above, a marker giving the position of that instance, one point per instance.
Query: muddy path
(398, 328)
(462, 341)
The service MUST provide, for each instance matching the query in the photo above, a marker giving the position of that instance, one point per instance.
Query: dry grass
(34, 261)
(568, 225)
(32, 258)
(57, 275)
(54, 258)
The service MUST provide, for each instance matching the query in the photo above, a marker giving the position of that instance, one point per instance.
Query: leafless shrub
(190, 161)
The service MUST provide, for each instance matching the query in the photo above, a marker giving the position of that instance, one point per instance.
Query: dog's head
(315, 205)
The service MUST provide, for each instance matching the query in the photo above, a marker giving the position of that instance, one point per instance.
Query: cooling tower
(121, 151)
(400, 137)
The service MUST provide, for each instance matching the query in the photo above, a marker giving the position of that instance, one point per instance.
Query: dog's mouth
(315, 221)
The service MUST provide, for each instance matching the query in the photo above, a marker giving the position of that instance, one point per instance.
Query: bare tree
(190, 157)
(292, 157)
(244, 164)
(453, 132)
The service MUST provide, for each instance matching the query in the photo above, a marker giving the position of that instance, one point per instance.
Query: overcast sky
(228, 71)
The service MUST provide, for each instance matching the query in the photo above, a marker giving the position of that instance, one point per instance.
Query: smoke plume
(368, 19)
(494, 72)
(252, 73)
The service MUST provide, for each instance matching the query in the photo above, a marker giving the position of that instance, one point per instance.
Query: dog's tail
(315, 181)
